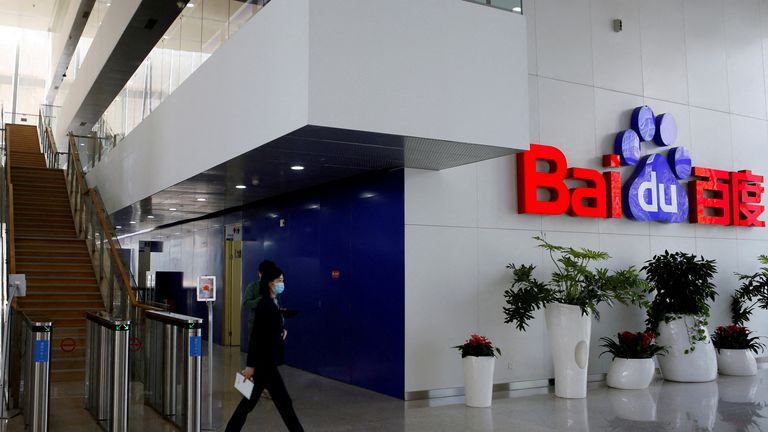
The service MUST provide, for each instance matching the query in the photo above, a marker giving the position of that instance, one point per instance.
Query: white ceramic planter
(736, 362)
(630, 374)
(569, 333)
(697, 366)
(478, 381)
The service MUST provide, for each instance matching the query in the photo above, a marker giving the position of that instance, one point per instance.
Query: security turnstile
(36, 373)
(173, 367)
(106, 370)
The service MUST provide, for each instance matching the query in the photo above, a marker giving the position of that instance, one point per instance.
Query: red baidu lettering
(746, 198)
(587, 201)
(613, 183)
(710, 201)
(530, 180)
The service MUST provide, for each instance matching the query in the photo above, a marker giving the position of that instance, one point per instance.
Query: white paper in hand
(243, 386)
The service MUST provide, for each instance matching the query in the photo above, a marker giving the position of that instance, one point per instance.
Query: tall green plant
(573, 282)
(683, 286)
(752, 293)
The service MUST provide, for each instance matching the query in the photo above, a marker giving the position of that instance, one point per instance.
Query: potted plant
(752, 293)
(570, 300)
(478, 355)
(735, 347)
(632, 367)
(679, 312)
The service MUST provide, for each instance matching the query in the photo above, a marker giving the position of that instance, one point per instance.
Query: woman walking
(265, 353)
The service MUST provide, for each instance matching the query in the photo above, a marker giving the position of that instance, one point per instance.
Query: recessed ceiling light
(118, 227)
(150, 217)
(367, 195)
(190, 5)
(517, 9)
(82, 144)
(297, 167)
(172, 209)
(240, 187)
(176, 233)
(201, 199)
(133, 222)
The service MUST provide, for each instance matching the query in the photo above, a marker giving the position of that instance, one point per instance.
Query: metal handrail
(90, 223)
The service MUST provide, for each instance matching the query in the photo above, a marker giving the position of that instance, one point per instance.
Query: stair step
(67, 375)
(73, 306)
(52, 260)
(34, 298)
(38, 265)
(58, 314)
(74, 360)
(41, 241)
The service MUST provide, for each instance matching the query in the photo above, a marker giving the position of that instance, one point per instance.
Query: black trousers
(269, 378)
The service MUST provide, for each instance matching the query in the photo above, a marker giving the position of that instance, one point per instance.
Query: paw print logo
(654, 192)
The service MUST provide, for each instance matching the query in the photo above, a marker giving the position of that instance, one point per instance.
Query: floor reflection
(727, 404)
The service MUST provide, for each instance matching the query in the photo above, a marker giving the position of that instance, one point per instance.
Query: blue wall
(351, 328)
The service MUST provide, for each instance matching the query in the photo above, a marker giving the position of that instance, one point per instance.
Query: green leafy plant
(573, 282)
(683, 286)
(478, 346)
(752, 293)
(631, 345)
(736, 337)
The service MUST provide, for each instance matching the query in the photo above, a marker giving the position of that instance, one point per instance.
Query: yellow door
(233, 271)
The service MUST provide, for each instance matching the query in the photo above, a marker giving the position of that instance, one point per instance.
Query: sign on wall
(654, 192)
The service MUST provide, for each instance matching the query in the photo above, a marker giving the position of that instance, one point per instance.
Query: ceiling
(326, 154)
(28, 14)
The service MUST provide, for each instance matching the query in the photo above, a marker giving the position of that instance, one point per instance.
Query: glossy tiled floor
(728, 404)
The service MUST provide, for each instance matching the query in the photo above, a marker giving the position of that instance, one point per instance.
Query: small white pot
(630, 374)
(699, 365)
(738, 362)
(569, 333)
(478, 381)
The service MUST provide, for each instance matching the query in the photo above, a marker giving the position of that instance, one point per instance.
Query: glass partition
(201, 28)
(511, 5)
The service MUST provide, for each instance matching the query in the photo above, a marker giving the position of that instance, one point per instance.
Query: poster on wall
(234, 232)
(206, 289)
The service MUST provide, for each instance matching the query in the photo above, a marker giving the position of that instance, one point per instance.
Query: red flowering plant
(478, 346)
(633, 345)
(736, 337)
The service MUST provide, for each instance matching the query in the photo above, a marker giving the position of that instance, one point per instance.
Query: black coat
(265, 346)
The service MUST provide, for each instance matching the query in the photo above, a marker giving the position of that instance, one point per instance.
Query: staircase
(61, 283)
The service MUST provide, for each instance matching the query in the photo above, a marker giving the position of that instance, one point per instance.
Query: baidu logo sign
(547, 185)
(654, 192)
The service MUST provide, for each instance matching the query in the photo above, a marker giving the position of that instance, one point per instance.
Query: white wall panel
(706, 54)
(440, 303)
(567, 119)
(625, 251)
(665, 74)
(529, 6)
(725, 252)
(533, 108)
(616, 63)
(711, 139)
(368, 62)
(563, 37)
(447, 197)
(497, 248)
(497, 196)
(746, 79)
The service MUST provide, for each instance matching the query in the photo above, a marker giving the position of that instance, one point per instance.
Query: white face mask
(279, 288)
